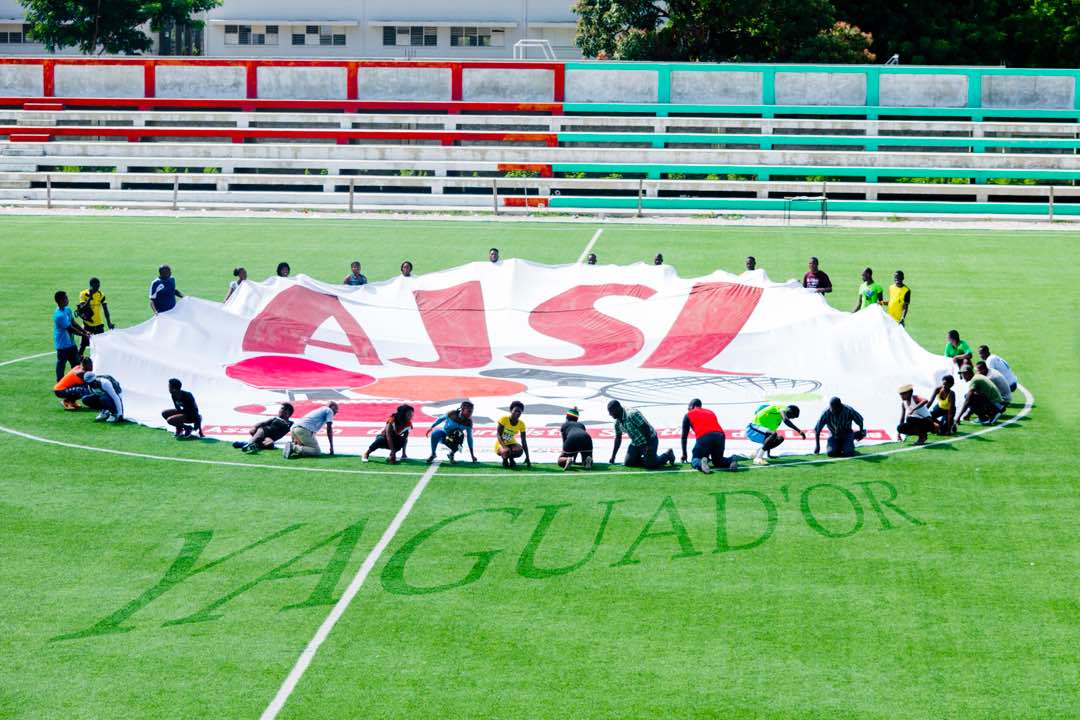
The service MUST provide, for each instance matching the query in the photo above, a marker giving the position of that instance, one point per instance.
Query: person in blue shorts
(456, 427)
(763, 429)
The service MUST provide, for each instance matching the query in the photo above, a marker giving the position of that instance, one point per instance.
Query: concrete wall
(118, 81)
(1028, 91)
(923, 90)
(392, 83)
(178, 81)
(611, 86)
(21, 80)
(481, 85)
(820, 88)
(716, 88)
(303, 83)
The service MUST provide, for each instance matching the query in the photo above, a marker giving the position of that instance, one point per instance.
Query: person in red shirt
(815, 279)
(709, 447)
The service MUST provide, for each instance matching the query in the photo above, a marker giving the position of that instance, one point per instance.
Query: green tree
(717, 30)
(107, 26)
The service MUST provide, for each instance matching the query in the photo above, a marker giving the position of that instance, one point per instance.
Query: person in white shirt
(241, 275)
(996, 362)
(303, 442)
(999, 380)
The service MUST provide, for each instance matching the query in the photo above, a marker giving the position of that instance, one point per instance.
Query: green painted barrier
(870, 111)
(814, 170)
(829, 140)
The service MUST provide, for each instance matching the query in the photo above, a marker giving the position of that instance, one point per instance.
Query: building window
(298, 38)
(415, 35)
(15, 36)
(477, 37)
(251, 34)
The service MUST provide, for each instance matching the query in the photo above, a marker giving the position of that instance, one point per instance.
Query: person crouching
(575, 440)
(184, 414)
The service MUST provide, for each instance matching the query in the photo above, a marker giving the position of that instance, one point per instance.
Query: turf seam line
(585, 252)
(342, 604)
(28, 357)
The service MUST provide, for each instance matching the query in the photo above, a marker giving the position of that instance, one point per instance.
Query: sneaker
(286, 451)
(364, 458)
(250, 449)
(430, 459)
(69, 404)
(759, 460)
(670, 454)
(112, 418)
(513, 463)
(706, 467)
(103, 415)
(588, 463)
(506, 463)
(997, 416)
(239, 444)
(734, 466)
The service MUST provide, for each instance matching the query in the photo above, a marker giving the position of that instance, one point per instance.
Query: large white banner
(550, 336)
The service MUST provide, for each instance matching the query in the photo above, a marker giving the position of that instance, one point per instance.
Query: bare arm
(330, 435)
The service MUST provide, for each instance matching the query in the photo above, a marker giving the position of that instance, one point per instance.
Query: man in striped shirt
(643, 439)
(839, 417)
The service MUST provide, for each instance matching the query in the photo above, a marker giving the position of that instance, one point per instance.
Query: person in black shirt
(575, 439)
(184, 414)
(266, 433)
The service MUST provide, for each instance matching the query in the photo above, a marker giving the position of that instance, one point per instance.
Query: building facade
(463, 29)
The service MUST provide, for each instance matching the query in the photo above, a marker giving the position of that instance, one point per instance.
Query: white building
(462, 29)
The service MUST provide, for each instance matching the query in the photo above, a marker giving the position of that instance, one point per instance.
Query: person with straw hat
(575, 440)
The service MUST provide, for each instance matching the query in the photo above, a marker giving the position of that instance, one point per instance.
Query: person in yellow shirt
(510, 429)
(899, 298)
(94, 312)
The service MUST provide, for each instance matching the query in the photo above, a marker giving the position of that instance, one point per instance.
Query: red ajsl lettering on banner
(455, 320)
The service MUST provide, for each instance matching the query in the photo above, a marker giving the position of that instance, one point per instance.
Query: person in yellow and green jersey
(957, 350)
(870, 292)
(94, 312)
(510, 429)
(763, 429)
(899, 298)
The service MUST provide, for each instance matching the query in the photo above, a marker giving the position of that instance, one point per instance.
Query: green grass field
(138, 587)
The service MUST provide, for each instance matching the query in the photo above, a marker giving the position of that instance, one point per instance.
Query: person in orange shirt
(71, 387)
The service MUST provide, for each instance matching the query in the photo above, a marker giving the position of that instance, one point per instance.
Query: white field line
(589, 247)
(1029, 401)
(28, 357)
(342, 604)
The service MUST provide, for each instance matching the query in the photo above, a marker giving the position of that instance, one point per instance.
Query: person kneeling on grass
(644, 442)
(943, 406)
(915, 417)
(302, 442)
(72, 387)
(264, 434)
(395, 435)
(575, 439)
(763, 429)
(456, 429)
(509, 429)
(708, 449)
(184, 414)
(838, 417)
(983, 399)
(999, 380)
(106, 396)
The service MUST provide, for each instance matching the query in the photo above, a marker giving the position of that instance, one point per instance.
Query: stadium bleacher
(578, 136)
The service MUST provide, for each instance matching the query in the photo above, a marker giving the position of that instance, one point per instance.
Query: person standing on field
(163, 292)
(816, 279)
(64, 326)
(303, 442)
(899, 298)
(93, 311)
(870, 292)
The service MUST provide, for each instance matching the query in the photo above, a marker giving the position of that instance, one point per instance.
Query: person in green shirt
(763, 429)
(957, 349)
(870, 292)
(983, 399)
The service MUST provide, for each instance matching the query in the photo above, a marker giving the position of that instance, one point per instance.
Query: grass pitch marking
(1029, 402)
(342, 604)
(589, 247)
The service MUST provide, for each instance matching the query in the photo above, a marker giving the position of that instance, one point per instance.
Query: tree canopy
(1030, 33)
(107, 26)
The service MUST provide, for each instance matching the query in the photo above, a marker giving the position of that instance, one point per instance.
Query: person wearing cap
(708, 449)
(982, 399)
(764, 429)
(575, 440)
(915, 418)
(106, 396)
(839, 418)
